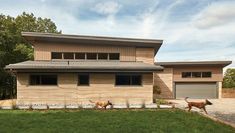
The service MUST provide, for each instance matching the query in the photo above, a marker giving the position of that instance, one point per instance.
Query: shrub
(156, 89)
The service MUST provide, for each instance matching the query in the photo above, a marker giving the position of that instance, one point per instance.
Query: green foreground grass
(108, 121)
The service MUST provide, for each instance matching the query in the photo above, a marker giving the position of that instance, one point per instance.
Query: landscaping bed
(125, 120)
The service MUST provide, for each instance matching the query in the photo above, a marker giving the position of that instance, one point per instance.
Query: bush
(156, 89)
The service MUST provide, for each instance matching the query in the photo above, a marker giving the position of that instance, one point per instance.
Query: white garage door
(196, 90)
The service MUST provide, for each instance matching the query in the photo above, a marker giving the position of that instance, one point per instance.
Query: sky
(191, 30)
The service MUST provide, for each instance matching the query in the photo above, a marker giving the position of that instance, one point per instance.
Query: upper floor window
(56, 55)
(196, 74)
(68, 55)
(114, 56)
(91, 56)
(85, 56)
(80, 56)
(43, 79)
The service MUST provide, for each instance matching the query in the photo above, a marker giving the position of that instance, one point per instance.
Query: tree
(13, 47)
(229, 78)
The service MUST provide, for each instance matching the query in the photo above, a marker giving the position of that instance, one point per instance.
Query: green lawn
(108, 121)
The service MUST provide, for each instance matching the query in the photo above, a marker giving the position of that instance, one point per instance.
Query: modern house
(75, 69)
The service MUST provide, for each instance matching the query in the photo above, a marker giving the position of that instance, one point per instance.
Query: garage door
(196, 90)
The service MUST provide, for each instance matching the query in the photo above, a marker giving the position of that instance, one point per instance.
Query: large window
(43, 79)
(83, 79)
(196, 74)
(128, 80)
(56, 55)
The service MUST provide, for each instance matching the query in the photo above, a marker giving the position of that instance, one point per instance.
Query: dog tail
(186, 99)
(91, 101)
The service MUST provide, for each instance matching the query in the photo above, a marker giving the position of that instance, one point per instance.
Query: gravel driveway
(223, 109)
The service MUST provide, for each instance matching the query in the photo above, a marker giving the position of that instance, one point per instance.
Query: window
(80, 56)
(102, 56)
(83, 79)
(196, 74)
(91, 56)
(136, 80)
(128, 80)
(186, 74)
(55, 55)
(206, 74)
(43, 79)
(68, 56)
(114, 56)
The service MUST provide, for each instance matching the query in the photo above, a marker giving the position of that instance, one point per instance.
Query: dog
(200, 105)
(102, 104)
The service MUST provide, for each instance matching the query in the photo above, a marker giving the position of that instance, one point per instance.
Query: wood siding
(42, 51)
(217, 73)
(145, 54)
(102, 87)
(164, 80)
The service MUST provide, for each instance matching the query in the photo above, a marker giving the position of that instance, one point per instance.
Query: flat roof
(94, 40)
(84, 66)
(195, 63)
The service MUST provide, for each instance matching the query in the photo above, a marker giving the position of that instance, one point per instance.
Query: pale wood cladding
(102, 87)
(145, 54)
(42, 51)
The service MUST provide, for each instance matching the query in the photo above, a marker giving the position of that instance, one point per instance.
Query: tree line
(14, 48)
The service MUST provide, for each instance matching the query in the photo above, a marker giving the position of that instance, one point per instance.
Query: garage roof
(195, 63)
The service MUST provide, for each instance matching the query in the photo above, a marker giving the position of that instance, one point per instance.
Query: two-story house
(75, 69)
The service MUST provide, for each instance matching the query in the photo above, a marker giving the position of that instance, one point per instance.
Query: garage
(196, 90)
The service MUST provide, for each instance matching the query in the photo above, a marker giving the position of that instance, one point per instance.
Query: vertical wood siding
(43, 50)
(145, 54)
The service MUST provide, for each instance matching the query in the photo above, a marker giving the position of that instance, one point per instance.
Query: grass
(109, 121)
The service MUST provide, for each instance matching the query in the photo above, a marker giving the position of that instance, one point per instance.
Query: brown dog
(102, 104)
(200, 105)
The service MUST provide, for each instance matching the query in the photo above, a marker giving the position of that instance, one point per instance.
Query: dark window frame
(130, 76)
(183, 74)
(91, 53)
(194, 75)
(78, 80)
(118, 54)
(98, 56)
(56, 53)
(40, 83)
(78, 58)
(202, 74)
(68, 53)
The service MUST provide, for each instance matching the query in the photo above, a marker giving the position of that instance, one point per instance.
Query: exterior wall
(165, 81)
(102, 87)
(220, 89)
(145, 54)
(217, 74)
(42, 51)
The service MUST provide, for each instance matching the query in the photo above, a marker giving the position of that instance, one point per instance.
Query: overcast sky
(191, 29)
